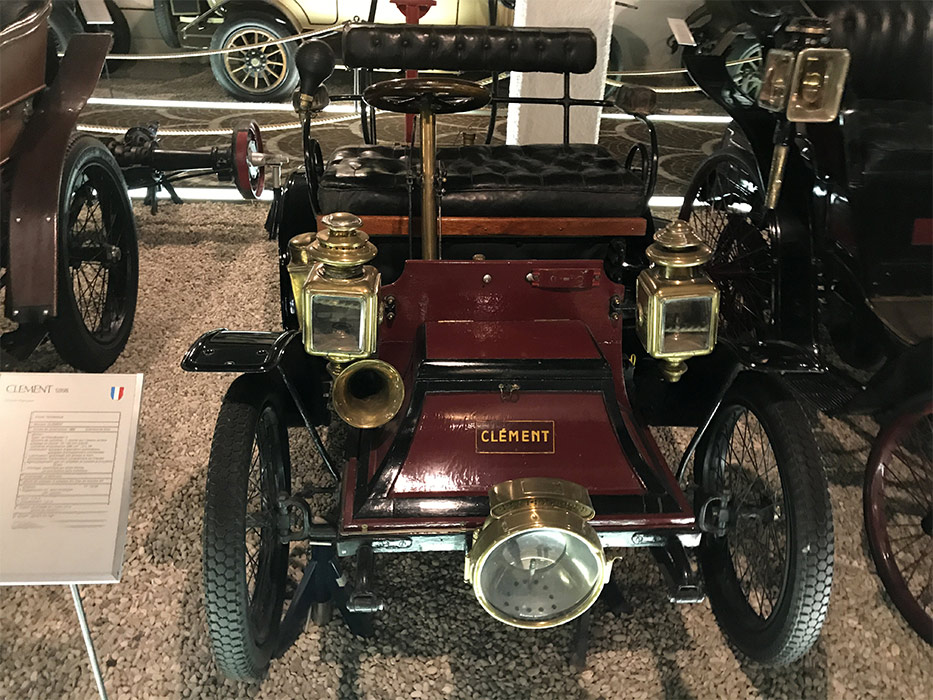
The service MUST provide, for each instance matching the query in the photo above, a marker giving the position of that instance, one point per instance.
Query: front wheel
(245, 563)
(767, 553)
(98, 259)
(254, 73)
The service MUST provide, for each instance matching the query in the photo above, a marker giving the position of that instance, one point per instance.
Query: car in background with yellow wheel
(268, 73)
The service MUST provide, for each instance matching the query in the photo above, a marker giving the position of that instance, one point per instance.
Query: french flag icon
(116, 393)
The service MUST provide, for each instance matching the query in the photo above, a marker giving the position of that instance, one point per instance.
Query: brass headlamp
(677, 303)
(805, 80)
(537, 562)
(337, 303)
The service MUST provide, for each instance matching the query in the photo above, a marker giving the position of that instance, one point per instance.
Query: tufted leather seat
(887, 139)
(552, 180)
(887, 118)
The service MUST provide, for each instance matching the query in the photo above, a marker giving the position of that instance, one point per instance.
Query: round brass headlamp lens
(537, 562)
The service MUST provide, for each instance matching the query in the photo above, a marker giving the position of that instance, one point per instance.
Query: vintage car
(67, 236)
(269, 72)
(68, 243)
(499, 341)
(817, 207)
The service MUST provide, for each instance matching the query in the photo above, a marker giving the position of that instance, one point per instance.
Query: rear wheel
(245, 564)
(767, 559)
(98, 259)
(254, 73)
(725, 204)
(898, 501)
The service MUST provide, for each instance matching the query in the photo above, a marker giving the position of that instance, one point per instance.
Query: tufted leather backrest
(891, 43)
(494, 49)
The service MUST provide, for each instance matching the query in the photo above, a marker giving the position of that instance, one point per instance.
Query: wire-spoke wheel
(245, 563)
(768, 559)
(746, 76)
(254, 72)
(725, 204)
(98, 259)
(898, 501)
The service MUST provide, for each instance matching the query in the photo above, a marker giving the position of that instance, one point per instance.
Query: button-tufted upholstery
(494, 49)
(887, 115)
(889, 139)
(553, 180)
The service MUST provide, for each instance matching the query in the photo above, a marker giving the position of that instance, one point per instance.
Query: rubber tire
(63, 24)
(67, 331)
(120, 29)
(794, 626)
(268, 24)
(162, 10)
(873, 498)
(237, 652)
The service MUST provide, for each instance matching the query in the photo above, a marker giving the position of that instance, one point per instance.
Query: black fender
(752, 129)
(39, 155)
(904, 376)
(279, 354)
(294, 215)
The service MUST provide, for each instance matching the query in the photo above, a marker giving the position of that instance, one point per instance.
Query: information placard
(67, 443)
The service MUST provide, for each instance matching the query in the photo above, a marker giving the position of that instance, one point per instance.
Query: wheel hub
(255, 61)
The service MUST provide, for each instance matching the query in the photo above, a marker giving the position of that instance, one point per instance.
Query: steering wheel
(437, 95)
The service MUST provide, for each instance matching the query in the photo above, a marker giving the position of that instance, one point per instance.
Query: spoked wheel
(98, 261)
(898, 501)
(254, 72)
(767, 553)
(725, 204)
(245, 564)
(746, 75)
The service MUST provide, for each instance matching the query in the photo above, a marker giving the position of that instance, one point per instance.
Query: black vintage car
(818, 208)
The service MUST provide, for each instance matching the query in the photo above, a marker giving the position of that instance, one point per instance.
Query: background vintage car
(269, 73)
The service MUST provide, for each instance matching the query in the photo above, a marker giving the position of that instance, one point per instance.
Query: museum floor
(204, 266)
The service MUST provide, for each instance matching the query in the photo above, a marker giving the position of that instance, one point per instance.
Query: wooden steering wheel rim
(437, 95)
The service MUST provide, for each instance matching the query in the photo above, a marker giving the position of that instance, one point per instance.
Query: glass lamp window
(775, 83)
(337, 324)
(539, 575)
(686, 325)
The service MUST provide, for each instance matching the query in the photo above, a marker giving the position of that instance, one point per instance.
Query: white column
(544, 123)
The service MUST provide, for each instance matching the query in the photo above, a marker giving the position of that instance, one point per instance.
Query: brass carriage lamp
(337, 303)
(537, 562)
(336, 292)
(677, 303)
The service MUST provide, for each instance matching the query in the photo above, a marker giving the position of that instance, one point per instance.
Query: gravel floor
(208, 265)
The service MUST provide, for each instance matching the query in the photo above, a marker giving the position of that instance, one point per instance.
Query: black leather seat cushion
(552, 180)
(890, 139)
(366, 180)
(423, 46)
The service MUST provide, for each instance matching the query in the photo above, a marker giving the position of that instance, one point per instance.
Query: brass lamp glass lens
(337, 324)
(776, 80)
(686, 325)
(539, 576)
(818, 83)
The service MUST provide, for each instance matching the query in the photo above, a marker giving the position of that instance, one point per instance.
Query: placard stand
(88, 642)
(66, 480)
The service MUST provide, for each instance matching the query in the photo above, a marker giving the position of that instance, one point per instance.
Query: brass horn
(367, 393)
